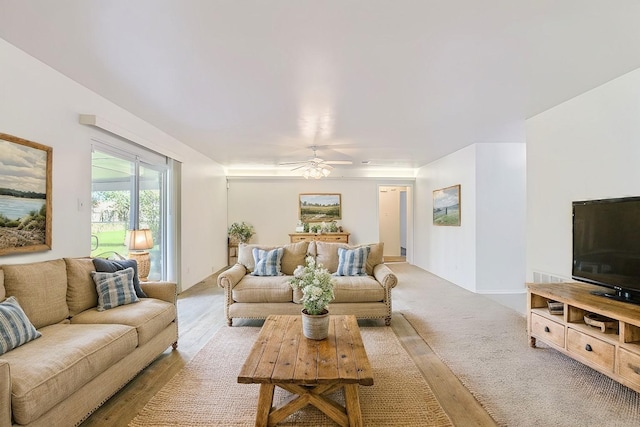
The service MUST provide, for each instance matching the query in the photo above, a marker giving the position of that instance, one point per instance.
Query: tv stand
(614, 352)
(618, 296)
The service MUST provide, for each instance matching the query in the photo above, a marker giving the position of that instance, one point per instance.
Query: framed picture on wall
(319, 207)
(25, 195)
(446, 206)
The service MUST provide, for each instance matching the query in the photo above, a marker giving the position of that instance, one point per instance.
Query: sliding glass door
(128, 193)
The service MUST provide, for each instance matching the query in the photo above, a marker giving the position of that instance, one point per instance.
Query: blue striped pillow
(114, 289)
(267, 262)
(352, 262)
(15, 327)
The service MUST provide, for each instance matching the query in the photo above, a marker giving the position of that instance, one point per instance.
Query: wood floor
(201, 314)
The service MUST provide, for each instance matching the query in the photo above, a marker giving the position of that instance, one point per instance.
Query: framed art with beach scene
(446, 206)
(25, 195)
(320, 207)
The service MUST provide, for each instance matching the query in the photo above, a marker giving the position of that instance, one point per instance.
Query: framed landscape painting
(446, 206)
(319, 207)
(25, 195)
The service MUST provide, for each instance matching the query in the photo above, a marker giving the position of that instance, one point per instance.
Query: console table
(321, 237)
(612, 350)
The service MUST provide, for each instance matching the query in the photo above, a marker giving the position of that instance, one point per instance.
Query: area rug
(206, 392)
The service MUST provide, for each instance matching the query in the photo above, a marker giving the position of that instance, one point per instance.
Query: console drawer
(547, 330)
(591, 349)
(629, 365)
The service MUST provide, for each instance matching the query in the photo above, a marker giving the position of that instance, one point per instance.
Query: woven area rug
(206, 392)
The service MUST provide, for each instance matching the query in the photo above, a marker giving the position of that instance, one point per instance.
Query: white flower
(298, 271)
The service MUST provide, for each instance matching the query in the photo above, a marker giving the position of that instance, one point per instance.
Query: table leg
(265, 401)
(352, 405)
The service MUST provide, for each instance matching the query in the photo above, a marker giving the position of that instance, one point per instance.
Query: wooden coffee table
(311, 370)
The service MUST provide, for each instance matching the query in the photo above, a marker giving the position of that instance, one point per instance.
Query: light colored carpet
(485, 345)
(206, 392)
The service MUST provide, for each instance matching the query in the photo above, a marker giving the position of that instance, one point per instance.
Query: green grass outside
(110, 241)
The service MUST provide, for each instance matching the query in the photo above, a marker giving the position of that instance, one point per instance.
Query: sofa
(255, 297)
(81, 355)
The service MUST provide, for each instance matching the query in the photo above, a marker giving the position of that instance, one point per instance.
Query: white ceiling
(395, 82)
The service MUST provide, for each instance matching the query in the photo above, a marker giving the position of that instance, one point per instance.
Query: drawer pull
(588, 347)
(546, 329)
(635, 369)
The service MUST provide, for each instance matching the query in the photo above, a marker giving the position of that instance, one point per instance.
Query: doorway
(393, 220)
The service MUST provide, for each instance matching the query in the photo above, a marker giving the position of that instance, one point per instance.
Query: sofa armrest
(229, 278)
(5, 394)
(165, 291)
(385, 276)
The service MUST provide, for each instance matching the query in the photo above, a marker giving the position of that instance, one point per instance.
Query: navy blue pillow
(111, 266)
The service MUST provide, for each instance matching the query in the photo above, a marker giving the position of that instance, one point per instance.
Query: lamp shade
(140, 240)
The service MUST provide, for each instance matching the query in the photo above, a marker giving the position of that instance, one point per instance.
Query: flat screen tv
(606, 246)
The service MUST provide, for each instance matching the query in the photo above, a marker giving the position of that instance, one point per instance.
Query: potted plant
(316, 284)
(240, 232)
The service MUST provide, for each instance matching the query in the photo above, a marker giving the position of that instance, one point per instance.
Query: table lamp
(139, 241)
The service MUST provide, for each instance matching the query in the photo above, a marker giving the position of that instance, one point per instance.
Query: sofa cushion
(352, 262)
(263, 289)
(3, 295)
(41, 288)
(326, 253)
(149, 316)
(293, 255)
(111, 266)
(267, 263)
(357, 289)
(15, 327)
(48, 370)
(81, 289)
(114, 289)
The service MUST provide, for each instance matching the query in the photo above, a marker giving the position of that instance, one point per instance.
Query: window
(129, 191)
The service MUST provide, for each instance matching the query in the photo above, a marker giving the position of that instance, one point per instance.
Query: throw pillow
(352, 262)
(114, 289)
(267, 262)
(15, 327)
(111, 266)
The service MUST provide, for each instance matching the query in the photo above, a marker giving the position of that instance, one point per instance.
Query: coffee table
(310, 370)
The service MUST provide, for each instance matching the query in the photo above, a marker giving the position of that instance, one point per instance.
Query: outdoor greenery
(316, 284)
(114, 210)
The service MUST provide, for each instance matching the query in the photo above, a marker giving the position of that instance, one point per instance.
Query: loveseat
(81, 356)
(255, 297)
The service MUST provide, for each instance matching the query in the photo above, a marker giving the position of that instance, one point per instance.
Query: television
(606, 246)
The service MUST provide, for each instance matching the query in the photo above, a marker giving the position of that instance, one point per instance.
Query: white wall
(39, 104)
(585, 148)
(449, 252)
(271, 205)
(486, 254)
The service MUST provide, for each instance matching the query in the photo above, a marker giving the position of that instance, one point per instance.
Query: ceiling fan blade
(300, 162)
(298, 167)
(338, 162)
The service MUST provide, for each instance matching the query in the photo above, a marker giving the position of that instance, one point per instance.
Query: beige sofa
(84, 356)
(256, 297)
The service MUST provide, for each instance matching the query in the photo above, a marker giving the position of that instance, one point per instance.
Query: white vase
(315, 326)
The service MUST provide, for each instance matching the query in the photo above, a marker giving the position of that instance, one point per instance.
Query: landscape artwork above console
(446, 206)
(320, 207)
(25, 195)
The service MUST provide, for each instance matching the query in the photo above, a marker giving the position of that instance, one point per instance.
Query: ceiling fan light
(306, 173)
(325, 172)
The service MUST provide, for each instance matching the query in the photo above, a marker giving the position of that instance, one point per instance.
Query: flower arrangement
(316, 285)
(241, 232)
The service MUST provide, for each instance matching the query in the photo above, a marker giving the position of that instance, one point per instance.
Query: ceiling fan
(315, 167)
